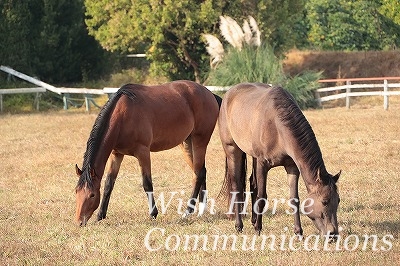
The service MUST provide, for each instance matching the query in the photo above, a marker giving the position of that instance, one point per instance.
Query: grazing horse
(265, 123)
(142, 119)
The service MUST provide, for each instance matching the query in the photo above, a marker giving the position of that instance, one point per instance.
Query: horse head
(87, 196)
(323, 211)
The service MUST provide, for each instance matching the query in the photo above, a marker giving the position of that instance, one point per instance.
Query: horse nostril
(82, 223)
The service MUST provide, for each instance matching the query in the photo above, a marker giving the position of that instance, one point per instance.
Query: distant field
(338, 64)
(38, 153)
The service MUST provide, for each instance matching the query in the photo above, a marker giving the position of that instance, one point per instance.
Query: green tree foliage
(169, 32)
(48, 39)
(351, 25)
(391, 10)
(282, 23)
(15, 32)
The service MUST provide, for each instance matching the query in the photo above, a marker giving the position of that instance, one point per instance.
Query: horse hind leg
(236, 176)
(112, 169)
(253, 190)
(262, 168)
(195, 157)
(143, 156)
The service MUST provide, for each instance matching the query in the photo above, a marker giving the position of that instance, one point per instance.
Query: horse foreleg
(145, 164)
(293, 178)
(112, 168)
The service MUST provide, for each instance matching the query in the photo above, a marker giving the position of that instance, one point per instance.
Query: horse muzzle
(82, 221)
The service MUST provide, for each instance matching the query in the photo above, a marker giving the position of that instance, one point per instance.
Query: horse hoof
(100, 217)
(186, 215)
(298, 232)
(202, 208)
(239, 229)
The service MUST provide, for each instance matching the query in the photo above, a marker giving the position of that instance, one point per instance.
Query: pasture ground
(38, 153)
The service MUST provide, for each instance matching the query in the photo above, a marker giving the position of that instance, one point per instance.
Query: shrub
(260, 64)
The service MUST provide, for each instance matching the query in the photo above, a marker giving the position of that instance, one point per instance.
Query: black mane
(97, 133)
(293, 118)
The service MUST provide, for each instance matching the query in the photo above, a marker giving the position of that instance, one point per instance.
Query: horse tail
(219, 100)
(225, 191)
(226, 185)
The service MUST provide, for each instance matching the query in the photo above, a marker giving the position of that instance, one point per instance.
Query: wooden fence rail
(37, 90)
(345, 91)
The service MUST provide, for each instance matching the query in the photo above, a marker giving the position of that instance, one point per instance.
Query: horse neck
(310, 174)
(310, 164)
(104, 148)
(104, 152)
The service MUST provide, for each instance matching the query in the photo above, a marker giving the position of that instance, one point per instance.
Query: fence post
(87, 103)
(1, 103)
(36, 102)
(385, 94)
(348, 90)
(318, 98)
(65, 100)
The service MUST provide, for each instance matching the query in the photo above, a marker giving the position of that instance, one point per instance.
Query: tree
(391, 10)
(48, 39)
(15, 32)
(282, 23)
(349, 25)
(169, 32)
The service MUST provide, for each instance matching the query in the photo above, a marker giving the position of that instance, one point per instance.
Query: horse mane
(293, 118)
(97, 133)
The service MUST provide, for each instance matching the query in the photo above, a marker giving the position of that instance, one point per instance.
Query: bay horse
(138, 120)
(265, 123)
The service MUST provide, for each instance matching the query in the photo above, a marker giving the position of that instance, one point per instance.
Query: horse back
(248, 119)
(163, 116)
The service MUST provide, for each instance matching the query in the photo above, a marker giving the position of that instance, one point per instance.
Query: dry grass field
(38, 153)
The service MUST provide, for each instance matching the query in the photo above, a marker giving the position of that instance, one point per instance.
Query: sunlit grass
(38, 153)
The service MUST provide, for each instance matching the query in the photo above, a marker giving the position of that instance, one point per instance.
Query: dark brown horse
(266, 123)
(142, 119)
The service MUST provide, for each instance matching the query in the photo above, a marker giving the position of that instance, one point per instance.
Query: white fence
(345, 91)
(65, 92)
(322, 95)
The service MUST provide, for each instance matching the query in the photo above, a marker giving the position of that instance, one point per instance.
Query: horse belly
(256, 135)
(169, 141)
(170, 133)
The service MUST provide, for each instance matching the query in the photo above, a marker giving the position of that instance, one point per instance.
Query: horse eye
(91, 195)
(325, 202)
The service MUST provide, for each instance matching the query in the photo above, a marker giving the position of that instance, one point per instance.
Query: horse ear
(318, 176)
(78, 171)
(336, 177)
(92, 173)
